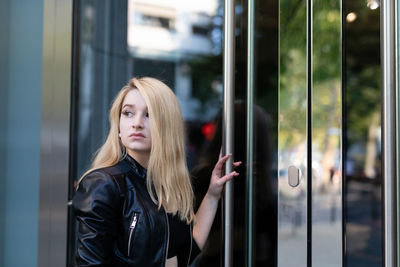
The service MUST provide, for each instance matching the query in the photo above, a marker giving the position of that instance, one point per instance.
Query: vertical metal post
(389, 128)
(397, 135)
(229, 78)
(55, 132)
(249, 139)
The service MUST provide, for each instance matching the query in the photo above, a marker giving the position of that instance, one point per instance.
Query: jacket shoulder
(97, 206)
(111, 176)
(119, 169)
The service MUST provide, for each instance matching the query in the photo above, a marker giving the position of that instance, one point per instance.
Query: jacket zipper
(131, 231)
(166, 251)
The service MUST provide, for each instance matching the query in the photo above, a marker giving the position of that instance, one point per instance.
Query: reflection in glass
(326, 134)
(264, 150)
(292, 201)
(179, 42)
(264, 210)
(176, 41)
(120, 39)
(261, 236)
(362, 140)
(99, 71)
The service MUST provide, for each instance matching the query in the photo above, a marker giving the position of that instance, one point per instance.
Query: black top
(179, 235)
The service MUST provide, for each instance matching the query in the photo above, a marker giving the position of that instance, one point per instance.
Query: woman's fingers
(222, 161)
(217, 183)
(228, 177)
(217, 172)
(232, 174)
(237, 163)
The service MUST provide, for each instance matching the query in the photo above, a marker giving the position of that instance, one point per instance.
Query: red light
(208, 130)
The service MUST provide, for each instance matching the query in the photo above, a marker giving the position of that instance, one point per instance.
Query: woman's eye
(147, 114)
(127, 113)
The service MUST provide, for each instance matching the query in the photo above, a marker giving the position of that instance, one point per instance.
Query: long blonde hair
(168, 181)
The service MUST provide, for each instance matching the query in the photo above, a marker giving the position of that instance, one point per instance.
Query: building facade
(305, 93)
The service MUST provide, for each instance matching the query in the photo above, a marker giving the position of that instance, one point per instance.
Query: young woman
(134, 207)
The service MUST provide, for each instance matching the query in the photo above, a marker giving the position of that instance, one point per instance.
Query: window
(154, 21)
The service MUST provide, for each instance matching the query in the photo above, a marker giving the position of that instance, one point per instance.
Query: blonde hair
(168, 181)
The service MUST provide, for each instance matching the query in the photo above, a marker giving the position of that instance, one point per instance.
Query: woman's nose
(137, 122)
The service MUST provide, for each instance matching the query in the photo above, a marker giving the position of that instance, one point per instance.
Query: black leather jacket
(119, 224)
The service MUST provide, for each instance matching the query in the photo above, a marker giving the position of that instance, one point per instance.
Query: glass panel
(326, 134)
(100, 69)
(292, 204)
(264, 166)
(262, 239)
(362, 135)
(116, 40)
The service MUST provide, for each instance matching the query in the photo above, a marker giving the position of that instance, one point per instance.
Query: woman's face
(134, 125)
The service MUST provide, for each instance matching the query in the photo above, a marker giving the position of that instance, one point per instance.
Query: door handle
(229, 75)
(293, 176)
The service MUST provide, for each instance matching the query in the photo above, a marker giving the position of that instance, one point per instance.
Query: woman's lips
(136, 136)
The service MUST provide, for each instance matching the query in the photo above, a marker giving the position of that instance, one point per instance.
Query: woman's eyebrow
(128, 105)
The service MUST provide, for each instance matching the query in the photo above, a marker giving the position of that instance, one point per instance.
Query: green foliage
(292, 73)
(326, 71)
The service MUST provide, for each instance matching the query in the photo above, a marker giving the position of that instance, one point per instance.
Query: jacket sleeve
(95, 207)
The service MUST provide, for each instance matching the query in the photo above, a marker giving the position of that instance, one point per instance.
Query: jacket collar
(136, 167)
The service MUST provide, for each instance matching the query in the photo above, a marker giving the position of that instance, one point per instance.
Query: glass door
(178, 42)
(362, 138)
(254, 109)
(310, 134)
(304, 109)
(115, 40)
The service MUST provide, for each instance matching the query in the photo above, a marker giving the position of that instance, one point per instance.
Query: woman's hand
(208, 207)
(218, 181)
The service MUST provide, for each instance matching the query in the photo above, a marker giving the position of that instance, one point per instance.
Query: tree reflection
(362, 136)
